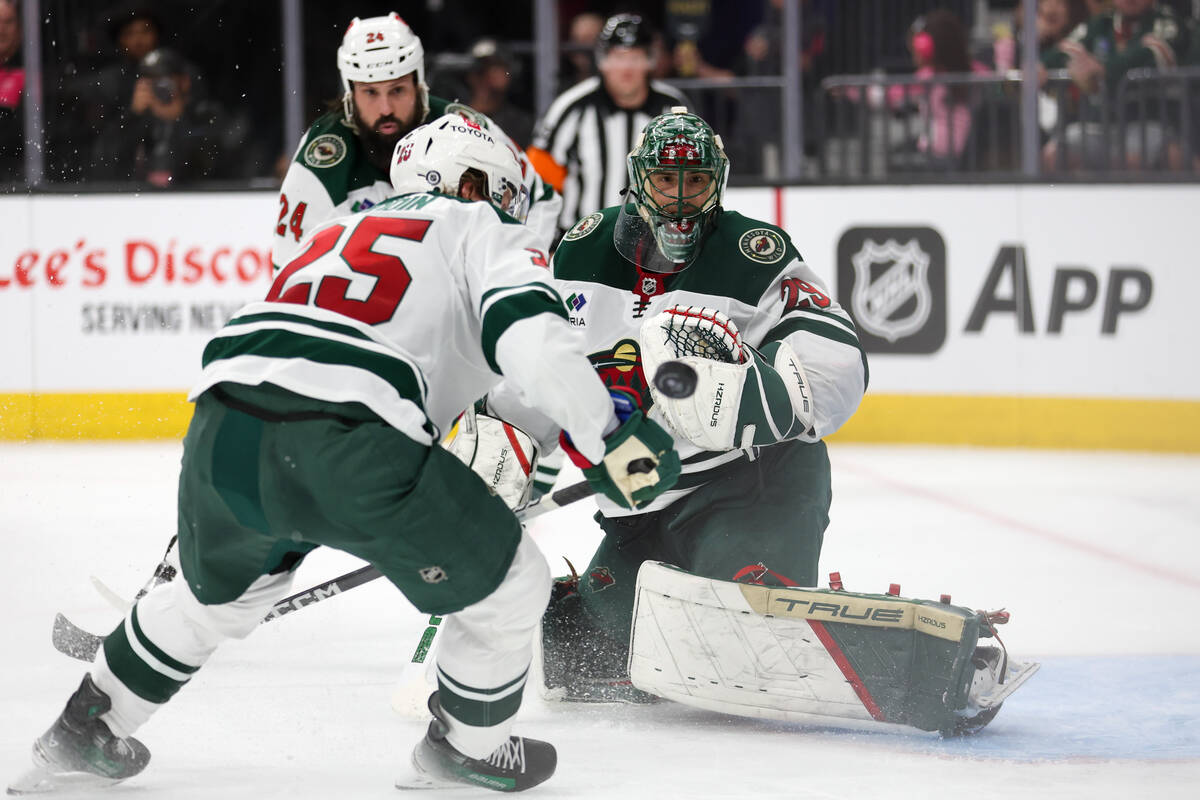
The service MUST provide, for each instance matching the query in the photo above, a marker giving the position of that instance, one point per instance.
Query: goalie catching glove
(743, 397)
(640, 461)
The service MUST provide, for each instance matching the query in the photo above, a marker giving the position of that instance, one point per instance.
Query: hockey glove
(743, 397)
(640, 461)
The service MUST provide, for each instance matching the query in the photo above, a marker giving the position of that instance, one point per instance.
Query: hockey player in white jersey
(316, 419)
(341, 164)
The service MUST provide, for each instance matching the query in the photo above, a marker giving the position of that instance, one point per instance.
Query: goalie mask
(439, 156)
(677, 175)
(380, 49)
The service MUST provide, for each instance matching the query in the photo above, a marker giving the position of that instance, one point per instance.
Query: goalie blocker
(812, 655)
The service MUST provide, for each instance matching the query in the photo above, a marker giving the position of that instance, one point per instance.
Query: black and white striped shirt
(586, 134)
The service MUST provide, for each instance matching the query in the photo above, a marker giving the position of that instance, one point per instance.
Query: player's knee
(232, 620)
(515, 607)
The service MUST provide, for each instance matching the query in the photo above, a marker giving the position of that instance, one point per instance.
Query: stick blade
(69, 639)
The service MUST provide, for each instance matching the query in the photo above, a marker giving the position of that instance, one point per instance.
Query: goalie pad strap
(801, 654)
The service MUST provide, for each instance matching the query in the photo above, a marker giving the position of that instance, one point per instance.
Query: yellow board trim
(1089, 423)
(90, 415)
(1073, 423)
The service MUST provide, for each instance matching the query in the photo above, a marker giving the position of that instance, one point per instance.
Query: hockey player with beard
(341, 165)
(317, 415)
(672, 275)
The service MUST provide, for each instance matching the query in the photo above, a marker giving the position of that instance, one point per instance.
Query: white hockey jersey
(416, 308)
(330, 176)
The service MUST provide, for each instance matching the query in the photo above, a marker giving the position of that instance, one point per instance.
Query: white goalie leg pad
(698, 642)
(811, 655)
(503, 455)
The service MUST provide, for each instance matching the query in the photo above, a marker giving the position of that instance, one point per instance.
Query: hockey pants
(260, 489)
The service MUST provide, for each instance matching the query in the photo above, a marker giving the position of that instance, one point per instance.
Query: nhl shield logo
(888, 277)
(892, 280)
(434, 574)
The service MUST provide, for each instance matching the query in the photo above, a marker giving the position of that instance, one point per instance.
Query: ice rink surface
(1096, 555)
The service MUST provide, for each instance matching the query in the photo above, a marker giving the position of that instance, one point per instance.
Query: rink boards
(1001, 315)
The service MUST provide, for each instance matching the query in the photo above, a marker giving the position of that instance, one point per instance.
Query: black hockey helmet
(624, 30)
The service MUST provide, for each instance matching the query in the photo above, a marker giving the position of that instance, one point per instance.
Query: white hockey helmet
(435, 156)
(380, 49)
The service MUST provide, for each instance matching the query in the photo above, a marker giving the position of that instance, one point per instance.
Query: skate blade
(1018, 673)
(416, 779)
(42, 780)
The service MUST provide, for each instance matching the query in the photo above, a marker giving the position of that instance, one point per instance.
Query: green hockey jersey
(331, 176)
(747, 269)
(1156, 39)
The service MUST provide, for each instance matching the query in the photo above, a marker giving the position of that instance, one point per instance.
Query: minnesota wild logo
(584, 227)
(325, 151)
(621, 368)
(762, 245)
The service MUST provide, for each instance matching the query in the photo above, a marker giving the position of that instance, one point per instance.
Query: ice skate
(581, 663)
(996, 677)
(514, 766)
(79, 751)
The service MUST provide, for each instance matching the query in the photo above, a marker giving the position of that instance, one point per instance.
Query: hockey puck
(675, 379)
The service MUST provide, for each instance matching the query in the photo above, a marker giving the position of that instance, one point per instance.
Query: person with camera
(167, 135)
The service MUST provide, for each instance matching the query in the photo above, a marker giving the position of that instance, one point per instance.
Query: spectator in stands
(1135, 34)
(1056, 19)
(488, 82)
(136, 31)
(166, 136)
(12, 90)
(759, 122)
(942, 118)
(578, 60)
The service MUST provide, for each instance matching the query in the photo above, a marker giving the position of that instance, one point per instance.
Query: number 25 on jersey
(390, 276)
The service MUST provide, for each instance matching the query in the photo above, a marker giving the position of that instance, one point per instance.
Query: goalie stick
(672, 379)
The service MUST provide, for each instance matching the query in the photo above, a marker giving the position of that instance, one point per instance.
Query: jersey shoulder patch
(325, 150)
(762, 245)
(583, 227)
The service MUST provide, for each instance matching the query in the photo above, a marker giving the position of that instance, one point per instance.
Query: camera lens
(164, 90)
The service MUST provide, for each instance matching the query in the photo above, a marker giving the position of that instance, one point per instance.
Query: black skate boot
(79, 750)
(514, 766)
(581, 663)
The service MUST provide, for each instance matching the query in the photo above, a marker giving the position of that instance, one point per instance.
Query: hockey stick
(72, 640)
(69, 639)
(675, 380)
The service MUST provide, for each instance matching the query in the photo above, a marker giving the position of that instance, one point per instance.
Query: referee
(580, 146)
